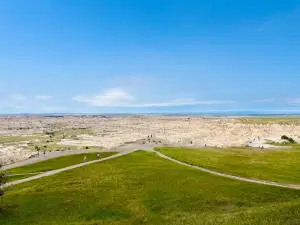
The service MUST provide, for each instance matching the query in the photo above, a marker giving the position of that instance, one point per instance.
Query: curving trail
(49, 155)
(20, 174)
(270, 183)
(124, 150)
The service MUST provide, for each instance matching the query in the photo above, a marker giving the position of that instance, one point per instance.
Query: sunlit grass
(142, 188)
(53, 164)
(279, 165)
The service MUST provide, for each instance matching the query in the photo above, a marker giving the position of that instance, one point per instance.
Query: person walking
(84, 159)
(98, 156)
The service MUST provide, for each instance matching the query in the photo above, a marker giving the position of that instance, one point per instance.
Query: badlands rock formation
(112, 131)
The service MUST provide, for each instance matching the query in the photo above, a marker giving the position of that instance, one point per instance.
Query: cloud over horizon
(264, 100)
(116, 97)
(293, 101)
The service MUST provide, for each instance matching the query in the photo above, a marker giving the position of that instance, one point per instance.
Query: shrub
(288, 139)
(291, 140)
(284, 137)
(3, 180)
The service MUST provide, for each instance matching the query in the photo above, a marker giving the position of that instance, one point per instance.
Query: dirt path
(290, 186)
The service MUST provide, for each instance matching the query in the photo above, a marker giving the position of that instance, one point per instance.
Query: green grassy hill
(142, 188)
(52, 164)
(278, 165)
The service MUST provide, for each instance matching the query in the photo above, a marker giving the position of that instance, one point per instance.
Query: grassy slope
(142, 188)
(274, 165)
(56, 163)
(266, 120)
(18, 177)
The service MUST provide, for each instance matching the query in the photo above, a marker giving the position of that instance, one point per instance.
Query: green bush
(288, 139)
(284, 137)
(291, 140)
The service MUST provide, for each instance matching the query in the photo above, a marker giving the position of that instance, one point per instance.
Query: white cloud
(183, 102)
(116, 97)
(265, 100)
(17, 97)
(293, 101)
(111, 97)
(43, 97)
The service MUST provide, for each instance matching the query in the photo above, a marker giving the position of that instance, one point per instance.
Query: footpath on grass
(123, 150)
(52, 172)
(270, 183)
(126, 149)
(50, 155)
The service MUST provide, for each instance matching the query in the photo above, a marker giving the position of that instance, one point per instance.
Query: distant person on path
(98, 156)
(84, 159)
(44, 153)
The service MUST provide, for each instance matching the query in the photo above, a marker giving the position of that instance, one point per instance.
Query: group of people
(98, 157)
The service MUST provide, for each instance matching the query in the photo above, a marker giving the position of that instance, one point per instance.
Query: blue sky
(149, 56)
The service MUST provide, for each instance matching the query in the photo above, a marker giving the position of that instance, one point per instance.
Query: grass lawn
(53, 164)
(270, 120)
(142, 188)
(280, 165)
(18, 177)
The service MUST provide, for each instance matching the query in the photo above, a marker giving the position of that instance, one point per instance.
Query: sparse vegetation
(57, 147)
(9, 139)
(271, 120)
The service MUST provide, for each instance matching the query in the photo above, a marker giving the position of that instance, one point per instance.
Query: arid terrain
(23, 136)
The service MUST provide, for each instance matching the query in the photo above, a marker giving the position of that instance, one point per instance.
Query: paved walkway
(55, 154)
(270, 183)
(52, 172)
(134, 147)
(48, 155)
(21, 174)
(123, 150)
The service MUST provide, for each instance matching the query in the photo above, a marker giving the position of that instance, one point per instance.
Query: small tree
(288, 139)
(284, 137)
